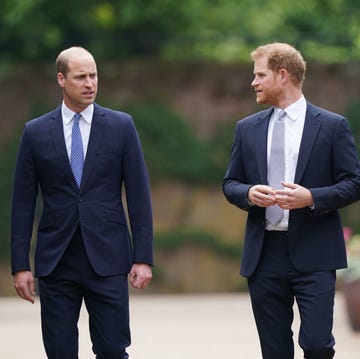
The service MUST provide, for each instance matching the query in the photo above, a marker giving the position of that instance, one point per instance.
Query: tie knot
(281, 115)
(77, 117)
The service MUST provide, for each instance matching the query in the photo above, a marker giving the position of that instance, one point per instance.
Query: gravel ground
(169, 327)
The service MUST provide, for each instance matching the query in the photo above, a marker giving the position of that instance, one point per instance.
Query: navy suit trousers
(106, 300)
(273, 289)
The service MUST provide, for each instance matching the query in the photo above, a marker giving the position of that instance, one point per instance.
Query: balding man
(81, 155)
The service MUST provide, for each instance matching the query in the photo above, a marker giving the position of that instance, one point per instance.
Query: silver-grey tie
(276, 171)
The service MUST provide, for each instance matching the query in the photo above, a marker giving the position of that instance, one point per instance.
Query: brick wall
(206, 94)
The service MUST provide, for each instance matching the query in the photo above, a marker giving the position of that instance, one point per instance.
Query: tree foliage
(37, 29)
(223, 30)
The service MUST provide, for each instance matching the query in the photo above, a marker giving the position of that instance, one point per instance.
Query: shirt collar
(296, 109)
(67, 114)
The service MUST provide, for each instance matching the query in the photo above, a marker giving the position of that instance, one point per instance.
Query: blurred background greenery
(182, 69)
(224, 30)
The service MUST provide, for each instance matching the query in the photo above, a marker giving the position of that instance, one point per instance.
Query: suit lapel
(57, 134)
(96, 134)
(260, 141)
(311, 128)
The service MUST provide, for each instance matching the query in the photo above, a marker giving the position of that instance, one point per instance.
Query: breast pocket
(108, 160)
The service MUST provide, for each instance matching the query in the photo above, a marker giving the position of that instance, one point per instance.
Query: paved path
(215, 326)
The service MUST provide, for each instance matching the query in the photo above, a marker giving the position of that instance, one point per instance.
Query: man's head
(77, 77)
(283, 56)
(279, 71)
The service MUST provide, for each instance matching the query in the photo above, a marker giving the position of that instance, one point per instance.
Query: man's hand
(24, 285)
(293, 196)
(262, 195)
(140, 275)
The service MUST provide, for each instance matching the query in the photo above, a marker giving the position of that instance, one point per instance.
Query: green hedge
(171, 241)
(173, 151)
(7, 164)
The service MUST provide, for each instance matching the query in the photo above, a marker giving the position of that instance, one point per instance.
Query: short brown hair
(283, 56)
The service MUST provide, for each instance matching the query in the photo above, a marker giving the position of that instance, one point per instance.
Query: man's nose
(88, 81)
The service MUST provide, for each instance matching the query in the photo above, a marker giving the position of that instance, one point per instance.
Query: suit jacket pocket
(116, 216)
(46, 222)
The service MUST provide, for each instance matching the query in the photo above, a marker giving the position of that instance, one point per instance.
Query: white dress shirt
(294, 124)
(84, 124)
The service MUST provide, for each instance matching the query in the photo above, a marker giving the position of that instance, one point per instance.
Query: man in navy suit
(84, 251)
(295, 256)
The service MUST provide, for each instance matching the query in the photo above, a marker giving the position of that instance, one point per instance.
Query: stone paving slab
(216, 326)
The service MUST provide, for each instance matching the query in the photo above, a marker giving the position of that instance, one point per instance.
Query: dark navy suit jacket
(327, 165)
(114, 158)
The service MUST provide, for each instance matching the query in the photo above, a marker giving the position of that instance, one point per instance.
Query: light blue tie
(77, 150)
(276, 172)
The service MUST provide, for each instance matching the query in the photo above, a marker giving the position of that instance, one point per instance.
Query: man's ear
(60, 79)
(283, 74)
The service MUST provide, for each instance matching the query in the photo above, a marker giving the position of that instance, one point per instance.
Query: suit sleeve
(235, 187)
(25, 189)
(137, 187)
(346, 173)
